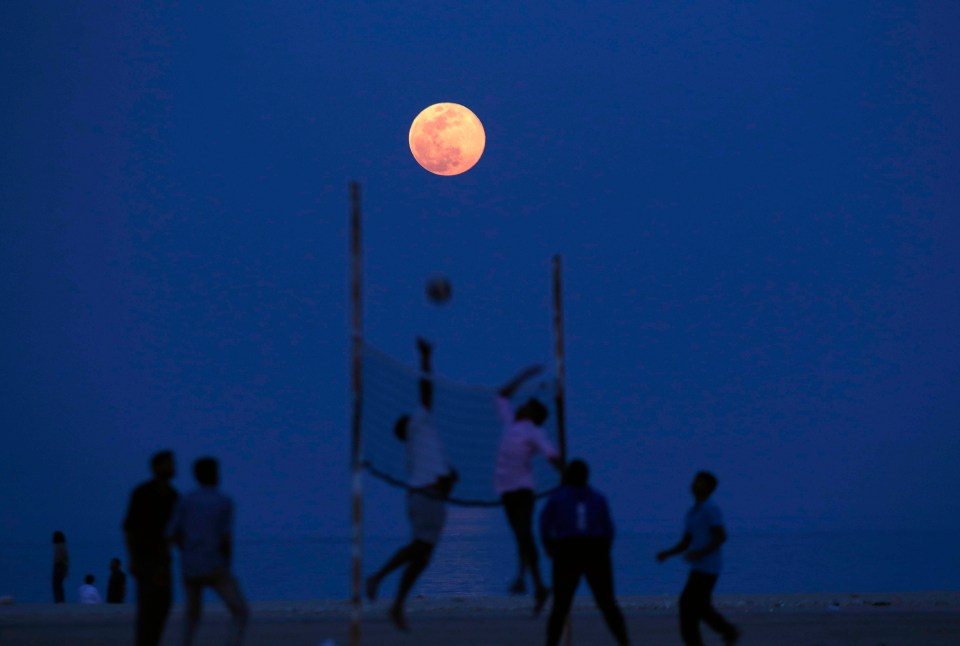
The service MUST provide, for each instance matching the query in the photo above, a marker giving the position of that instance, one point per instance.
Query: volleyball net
(466, 420)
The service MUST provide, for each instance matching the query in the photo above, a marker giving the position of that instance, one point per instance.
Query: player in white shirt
(430, 478)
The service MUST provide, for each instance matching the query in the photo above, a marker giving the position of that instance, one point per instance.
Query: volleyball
(439, 290)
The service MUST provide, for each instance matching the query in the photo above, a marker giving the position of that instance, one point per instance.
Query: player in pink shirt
(523, 438)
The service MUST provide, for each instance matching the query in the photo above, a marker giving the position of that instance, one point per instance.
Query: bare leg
(515, 518)
(418, 561)
(229, 590)
(400, 557)
(519, 508)
(193, 609)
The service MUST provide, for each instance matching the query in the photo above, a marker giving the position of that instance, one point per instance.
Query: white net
(466, 420)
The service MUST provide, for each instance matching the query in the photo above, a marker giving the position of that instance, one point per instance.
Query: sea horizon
(482, 563)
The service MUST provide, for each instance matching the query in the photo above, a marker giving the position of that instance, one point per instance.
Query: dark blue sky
(756, 204)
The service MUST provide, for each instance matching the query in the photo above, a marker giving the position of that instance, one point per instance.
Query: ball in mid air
(439, 290)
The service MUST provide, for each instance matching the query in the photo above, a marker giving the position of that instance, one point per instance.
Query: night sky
(756, 204)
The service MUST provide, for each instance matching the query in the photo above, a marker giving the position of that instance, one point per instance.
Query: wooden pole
(356, 455)
(558, 353)
(560, 399)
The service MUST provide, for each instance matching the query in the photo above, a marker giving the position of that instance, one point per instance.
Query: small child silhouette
(88, 593)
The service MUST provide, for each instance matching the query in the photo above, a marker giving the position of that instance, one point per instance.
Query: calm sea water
(477, 558)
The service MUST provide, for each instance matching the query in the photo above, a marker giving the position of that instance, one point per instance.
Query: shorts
(427, 516)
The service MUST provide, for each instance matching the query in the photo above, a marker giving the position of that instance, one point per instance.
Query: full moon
(447, 139)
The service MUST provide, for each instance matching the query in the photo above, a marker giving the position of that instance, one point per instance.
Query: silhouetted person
(577, 533)
(88, 594)
(431, 479)
(522, 439)
(144, 528)
(702, 537)
(202, 526)
(117, 584)
(61, 565)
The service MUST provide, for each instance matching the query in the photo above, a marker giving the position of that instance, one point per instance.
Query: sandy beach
(927, 618)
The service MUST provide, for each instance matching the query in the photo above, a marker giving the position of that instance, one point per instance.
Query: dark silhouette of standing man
(117, 585)
(61, 565)
(144, 528)
(577, 533)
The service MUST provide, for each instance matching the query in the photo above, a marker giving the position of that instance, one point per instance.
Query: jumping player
(431, 479)
(522, 439)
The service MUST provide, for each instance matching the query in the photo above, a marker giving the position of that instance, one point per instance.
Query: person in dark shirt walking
(202, 526)
(149, 556)
(577, 533)
(117, 584)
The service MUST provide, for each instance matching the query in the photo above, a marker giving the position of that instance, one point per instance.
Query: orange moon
(447, 139)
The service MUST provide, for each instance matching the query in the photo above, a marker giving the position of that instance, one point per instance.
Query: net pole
(356, 454)
(560, 394)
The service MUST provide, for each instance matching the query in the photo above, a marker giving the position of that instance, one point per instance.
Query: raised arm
(426, 377)
(507, 390)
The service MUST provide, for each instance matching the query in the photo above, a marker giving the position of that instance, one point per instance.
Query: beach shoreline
(785, 619)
